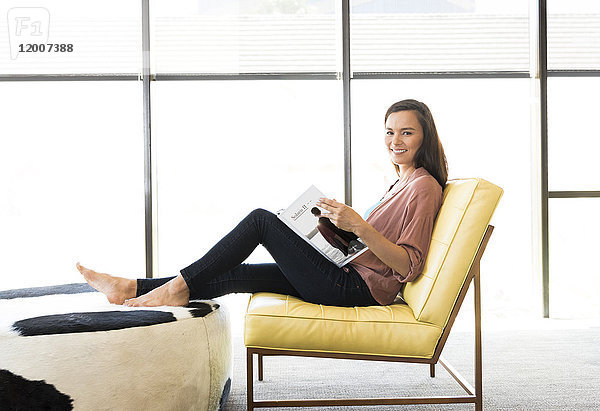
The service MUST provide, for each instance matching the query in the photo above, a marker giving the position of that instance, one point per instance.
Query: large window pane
(413, 36)
(574, 273)
(71, 181)
(573, 35)
(236, 36)
(105, 37)
(227, 147)
(484, 125)
(573, 134)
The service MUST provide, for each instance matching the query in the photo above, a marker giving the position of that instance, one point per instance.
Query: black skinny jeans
(299, 269)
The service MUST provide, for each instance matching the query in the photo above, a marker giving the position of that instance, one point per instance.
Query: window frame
(538, 74)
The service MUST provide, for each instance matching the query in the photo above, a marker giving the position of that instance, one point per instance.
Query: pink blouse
(405, 217)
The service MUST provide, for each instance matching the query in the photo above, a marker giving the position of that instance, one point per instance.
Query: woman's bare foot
(174, 293)
(116, 289)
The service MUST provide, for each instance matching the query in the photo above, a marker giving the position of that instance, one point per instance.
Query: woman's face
(403, 137)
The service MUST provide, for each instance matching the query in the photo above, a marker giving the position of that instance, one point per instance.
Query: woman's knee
(264, 221)
(261, 214)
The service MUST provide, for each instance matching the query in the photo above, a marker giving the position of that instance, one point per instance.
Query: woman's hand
(341, 215)
(344, 217)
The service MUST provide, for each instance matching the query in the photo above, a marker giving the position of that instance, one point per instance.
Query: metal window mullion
(70, 77)
(247, 76)
(147, 138)
(573, 73)
(543, 75)
(574, 194)
(438, 75)
(346, 74)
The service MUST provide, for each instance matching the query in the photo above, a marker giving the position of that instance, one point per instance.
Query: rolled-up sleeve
(405, 218)
(415, 234)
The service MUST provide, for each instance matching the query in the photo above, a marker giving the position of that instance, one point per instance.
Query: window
(573, 63)
(574, 278)
(573, 35)
(407, 36)
(244, 37)
(482, 137)
(573, 138)
(248, 109)
(227, 147)
(71, 172)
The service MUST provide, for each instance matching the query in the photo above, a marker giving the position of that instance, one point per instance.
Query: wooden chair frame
(473, 394)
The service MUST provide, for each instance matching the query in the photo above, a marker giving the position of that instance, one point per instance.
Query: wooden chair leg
(478, 345)
(249, 380)
(260, 367)
(432, 370)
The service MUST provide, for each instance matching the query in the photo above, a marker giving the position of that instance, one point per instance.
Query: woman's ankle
(132, 287)
(178, 286)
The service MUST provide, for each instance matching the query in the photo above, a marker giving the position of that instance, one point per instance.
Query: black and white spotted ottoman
(66, 347)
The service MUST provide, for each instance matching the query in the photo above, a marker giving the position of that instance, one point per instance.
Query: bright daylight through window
(247, 109)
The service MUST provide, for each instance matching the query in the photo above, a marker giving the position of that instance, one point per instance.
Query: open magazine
(304, 218)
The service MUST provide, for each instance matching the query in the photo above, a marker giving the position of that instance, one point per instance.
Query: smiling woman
(413, 141)
(468, 123)
(403, 137)
(398, 233)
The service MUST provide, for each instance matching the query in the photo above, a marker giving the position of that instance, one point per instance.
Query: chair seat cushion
(283, 322)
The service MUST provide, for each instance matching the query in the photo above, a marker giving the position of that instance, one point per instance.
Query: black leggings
(299, 269)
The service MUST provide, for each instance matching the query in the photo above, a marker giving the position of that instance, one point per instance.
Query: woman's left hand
(341, 215)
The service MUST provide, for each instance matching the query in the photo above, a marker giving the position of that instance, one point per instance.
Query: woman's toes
(116, 289)
(135, 302)
(131, 302)
(86, 272)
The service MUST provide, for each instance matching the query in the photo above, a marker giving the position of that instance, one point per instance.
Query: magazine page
(304, 217)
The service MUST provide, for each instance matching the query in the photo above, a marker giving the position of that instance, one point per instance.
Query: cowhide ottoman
(66, 347)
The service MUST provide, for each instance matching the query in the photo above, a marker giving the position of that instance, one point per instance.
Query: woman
(397, 231)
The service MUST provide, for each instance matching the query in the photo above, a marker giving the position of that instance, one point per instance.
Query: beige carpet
(536, 369)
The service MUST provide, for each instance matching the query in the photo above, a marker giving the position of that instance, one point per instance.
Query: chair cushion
(283, 322)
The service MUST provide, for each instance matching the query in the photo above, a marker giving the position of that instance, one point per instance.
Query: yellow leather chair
(413, 331)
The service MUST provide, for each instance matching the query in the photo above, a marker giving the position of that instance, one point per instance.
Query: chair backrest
(466, 211)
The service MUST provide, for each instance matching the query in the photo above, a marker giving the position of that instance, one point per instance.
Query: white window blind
(574, 41)
(245, 37)
(244, 44)
(439, 42)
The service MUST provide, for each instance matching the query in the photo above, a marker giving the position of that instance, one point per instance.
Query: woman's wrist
(362, 229)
